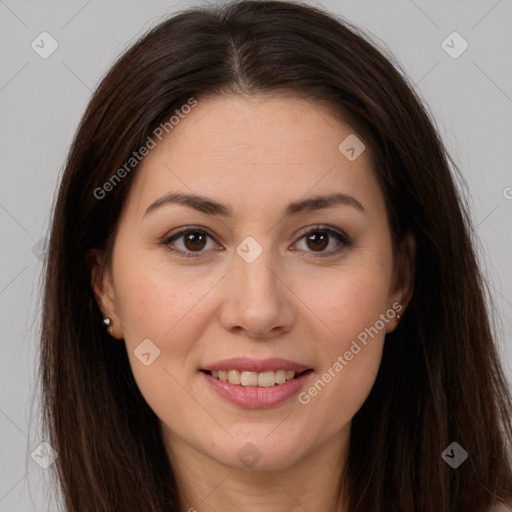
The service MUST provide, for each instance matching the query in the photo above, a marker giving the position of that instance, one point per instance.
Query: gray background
(41, 101)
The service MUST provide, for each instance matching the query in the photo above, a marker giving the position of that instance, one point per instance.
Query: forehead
(263, 128)
(241, 147)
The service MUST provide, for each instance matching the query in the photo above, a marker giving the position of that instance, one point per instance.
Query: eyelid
(184, 230)
(326, 228)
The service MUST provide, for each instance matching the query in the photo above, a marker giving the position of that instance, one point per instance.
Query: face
(266, 283)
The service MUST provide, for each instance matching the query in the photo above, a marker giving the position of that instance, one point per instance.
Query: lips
(252, 383)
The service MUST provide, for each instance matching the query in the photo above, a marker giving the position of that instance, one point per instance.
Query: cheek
(157, 300)
(350, 325)
(167, 307)
(347, 302)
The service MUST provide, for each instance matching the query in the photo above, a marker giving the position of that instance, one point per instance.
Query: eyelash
(342, 238)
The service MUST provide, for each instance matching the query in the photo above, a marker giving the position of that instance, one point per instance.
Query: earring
(108, 323)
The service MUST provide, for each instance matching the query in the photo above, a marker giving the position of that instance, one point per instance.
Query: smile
(256, 383)
(264, 379)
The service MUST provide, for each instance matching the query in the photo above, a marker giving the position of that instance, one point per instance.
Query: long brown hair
(440, 379)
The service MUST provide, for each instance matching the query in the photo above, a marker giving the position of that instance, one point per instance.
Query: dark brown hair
(440, 379)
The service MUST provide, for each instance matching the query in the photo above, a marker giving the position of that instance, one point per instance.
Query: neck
(312, 483)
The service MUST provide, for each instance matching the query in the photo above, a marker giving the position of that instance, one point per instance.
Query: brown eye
(317, 241)
(194, 241)
(188, 242)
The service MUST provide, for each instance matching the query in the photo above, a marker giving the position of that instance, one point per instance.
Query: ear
(402, 285)
(102, 286)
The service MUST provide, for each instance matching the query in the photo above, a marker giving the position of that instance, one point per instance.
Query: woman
(261, 291)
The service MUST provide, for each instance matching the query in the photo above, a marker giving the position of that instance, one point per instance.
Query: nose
(258, 302)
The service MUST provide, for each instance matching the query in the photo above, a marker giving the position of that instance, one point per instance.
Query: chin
(260, 453)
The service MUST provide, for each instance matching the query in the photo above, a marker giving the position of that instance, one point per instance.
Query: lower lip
(255, 397)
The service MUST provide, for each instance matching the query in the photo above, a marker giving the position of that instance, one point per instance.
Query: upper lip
(256, 365)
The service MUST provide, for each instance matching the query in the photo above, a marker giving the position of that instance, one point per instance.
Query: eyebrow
(211, 207)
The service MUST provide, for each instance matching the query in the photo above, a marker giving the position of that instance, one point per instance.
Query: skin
(255, 154)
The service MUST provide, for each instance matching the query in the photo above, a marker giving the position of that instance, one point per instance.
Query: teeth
(234, 376)
(247, 379)
(263, 379)
(266, 379)
(280, 376)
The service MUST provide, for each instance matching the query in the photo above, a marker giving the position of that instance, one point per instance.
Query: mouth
(250, 389)
(254, 383)
(265, 379)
